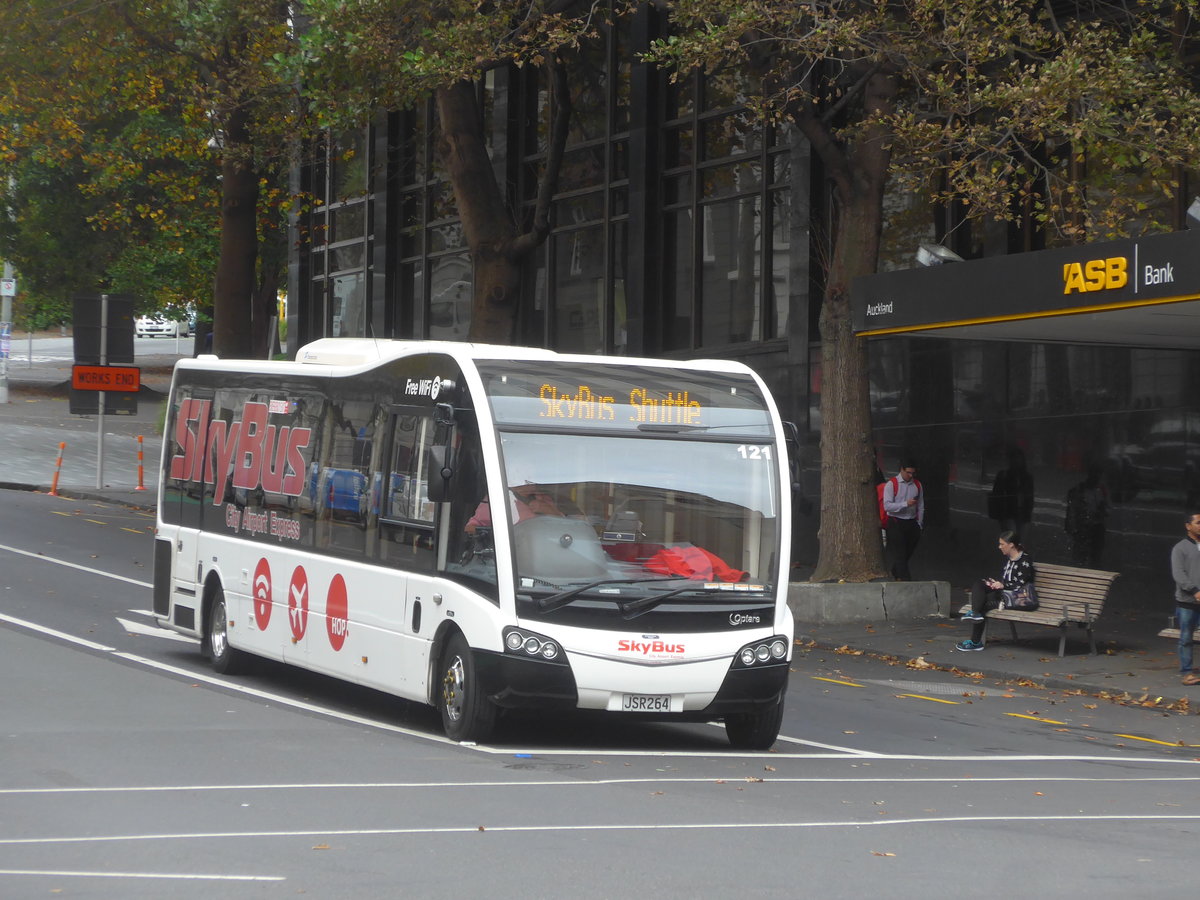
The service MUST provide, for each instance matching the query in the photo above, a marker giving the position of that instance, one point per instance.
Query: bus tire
(467, 715)
(225, 659)
(755, 730)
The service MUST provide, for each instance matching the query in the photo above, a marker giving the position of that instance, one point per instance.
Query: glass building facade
(683, 227)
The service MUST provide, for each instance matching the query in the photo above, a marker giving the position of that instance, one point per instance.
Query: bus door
(407, 538)
(195, 505)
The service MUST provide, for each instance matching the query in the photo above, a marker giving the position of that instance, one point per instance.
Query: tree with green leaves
(361, 58)
(174, 114)
(999, 108)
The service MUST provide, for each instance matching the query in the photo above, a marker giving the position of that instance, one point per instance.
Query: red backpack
(883, 516)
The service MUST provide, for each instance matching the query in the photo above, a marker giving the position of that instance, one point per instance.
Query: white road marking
(55, 633)
(580, 782)
(663, 826)
(840, 752)
(70, 565)
(852, 751)
(154, 631)
(176, 876)
(541, 751)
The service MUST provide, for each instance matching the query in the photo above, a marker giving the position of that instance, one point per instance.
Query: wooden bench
(1066, 596)
(1173, 633)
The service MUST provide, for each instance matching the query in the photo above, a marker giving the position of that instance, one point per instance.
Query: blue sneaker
(968, 645)
(971, 616)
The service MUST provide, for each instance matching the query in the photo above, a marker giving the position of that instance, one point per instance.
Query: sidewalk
(1134, 663)
(37, 418)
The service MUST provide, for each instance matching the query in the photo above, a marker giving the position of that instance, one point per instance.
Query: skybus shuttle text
(485, 528)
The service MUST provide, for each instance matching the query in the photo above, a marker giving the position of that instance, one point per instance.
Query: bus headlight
(772, 650)
(519, 642)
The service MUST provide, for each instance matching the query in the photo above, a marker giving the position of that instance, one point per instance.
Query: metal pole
(100, 417)
(6, 314)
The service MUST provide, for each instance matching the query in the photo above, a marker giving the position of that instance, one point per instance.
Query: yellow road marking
(836, 681)
(1134, 737)
(1035, 718)
(923, 697)
(95, 521)
(60, 513)
(133, 530)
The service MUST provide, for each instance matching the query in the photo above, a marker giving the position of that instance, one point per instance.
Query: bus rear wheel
(467, 715)
(755, 730)
(225, 659)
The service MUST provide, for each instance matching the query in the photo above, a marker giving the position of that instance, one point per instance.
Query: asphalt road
(130, 770)
(46, 349)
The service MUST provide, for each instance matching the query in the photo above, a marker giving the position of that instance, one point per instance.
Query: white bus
(485, 528)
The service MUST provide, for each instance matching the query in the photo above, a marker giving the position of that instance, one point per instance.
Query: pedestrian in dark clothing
(1185, 569)
(904, 503)
(989, 593)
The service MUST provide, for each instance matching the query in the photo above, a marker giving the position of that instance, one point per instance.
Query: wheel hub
(452, 689)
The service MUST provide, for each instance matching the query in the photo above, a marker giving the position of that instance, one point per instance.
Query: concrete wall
(877, 601)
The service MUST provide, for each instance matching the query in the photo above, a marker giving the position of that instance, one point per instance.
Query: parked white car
(153, 326)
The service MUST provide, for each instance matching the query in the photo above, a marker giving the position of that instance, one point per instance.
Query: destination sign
(625, 397)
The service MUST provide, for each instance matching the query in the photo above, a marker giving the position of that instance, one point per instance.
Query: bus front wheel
(225, 659)
(467, 715)
(755, 730)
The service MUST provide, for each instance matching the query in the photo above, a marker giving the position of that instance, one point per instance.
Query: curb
(1052, 682)
(84, 494)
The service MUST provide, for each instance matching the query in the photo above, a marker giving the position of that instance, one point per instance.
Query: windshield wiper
(635, 608)
(563, 598)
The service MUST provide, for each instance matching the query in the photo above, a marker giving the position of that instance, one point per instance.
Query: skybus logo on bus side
(262, 455)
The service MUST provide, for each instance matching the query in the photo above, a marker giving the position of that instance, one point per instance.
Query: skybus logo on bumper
(254, 453)
(651, 646)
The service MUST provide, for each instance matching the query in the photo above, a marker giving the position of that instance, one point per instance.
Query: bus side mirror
(440, 473)
(791, 437)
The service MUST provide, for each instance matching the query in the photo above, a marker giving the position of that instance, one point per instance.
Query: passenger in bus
(482, 517)
(534, 500)
(531, 500)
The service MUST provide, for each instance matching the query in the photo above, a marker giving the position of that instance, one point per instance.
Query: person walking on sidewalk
(988, 592)
(904, 503)
(1185, 569)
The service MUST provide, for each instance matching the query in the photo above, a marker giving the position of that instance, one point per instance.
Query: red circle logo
(336, 609)
(262, 594)
(298, 603)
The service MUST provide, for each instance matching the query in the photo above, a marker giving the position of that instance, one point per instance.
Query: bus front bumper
(513, 682)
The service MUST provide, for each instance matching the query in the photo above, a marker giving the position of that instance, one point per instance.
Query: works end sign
(106, 378)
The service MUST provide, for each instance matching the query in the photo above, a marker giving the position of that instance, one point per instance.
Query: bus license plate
(646, 702)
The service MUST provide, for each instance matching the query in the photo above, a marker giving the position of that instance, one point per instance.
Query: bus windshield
(586, 508)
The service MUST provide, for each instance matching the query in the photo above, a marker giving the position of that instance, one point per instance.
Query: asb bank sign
(1161, 268)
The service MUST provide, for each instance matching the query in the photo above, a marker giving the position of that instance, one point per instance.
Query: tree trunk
(234, 290)
(272, 267)
(487, 224)
(850, 545)
(498, 247)
(851, 549)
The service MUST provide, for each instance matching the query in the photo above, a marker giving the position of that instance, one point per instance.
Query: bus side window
(341, 487)
(470, 551)
(406, 532)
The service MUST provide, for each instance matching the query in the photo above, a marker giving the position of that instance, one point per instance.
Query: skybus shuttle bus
(485, 528)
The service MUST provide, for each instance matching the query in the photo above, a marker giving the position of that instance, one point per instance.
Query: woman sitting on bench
(990, 593)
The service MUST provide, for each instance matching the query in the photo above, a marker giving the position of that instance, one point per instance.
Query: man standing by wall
(1185, 569)
(904, 503)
